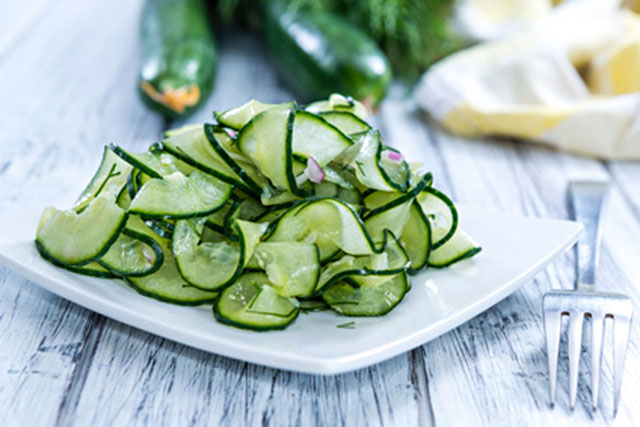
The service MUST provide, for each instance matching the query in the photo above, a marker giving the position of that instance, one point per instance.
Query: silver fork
(588, 200)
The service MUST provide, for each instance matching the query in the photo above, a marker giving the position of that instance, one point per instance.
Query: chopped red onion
(393, 156)
(231, 133)
(148, 253)
(313, 171)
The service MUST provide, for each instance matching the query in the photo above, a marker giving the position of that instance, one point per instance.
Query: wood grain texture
(68, 82)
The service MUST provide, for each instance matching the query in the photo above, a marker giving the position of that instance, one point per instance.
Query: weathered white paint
(67, 76)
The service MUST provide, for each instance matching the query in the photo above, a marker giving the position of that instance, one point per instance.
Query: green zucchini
(177, 55)
(319, 53)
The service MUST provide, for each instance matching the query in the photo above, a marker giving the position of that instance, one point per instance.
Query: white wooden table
(67, 86)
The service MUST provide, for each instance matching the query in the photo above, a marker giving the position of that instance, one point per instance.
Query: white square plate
(514, 249)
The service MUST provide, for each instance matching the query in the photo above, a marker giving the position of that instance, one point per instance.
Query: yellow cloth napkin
(571, 80)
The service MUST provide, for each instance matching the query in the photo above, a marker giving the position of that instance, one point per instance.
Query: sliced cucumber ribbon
(271, 210)
(214, 262)
(73, 238)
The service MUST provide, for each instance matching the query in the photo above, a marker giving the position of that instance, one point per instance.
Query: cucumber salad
(273, 210)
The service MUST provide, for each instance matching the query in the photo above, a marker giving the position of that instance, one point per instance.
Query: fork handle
(588, 199)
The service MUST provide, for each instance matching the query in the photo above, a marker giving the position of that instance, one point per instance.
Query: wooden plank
(42, 337)
(68, 88)
(147, 380)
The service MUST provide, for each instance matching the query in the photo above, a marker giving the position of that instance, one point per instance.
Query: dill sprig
(348, 325)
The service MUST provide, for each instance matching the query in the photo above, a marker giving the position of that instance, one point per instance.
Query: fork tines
(578, 305)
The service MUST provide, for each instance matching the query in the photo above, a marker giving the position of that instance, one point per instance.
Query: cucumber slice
(73, 238)
(442, 215)
(391, 210)
(154, 163)
(179, 196)
(252, 303)
(248, 209)
(315, 137)
(460, 246)
(416, 238)
(266, 140)
(337, 102)
(134, 182)
(208, 264)
(273, 213)
(382, 200)
(93, 269)
(245, 209)
(349, 299)
(167, 284)
(194, 148)
(217, 220)
(350, 197)
(227, 138)
(325, 189)
(375, 201)
(392, 260)
(375, 172)
(309, 305)
(346, 121)
(186, 128)
(161, 227)
(393, 219)
(329, 223)
(293, 268)
(136, 252)
(236, 118)
(123, 199)
(337, 176)
(273, 197)
(394, 168)
(240, 164)
(111, 176)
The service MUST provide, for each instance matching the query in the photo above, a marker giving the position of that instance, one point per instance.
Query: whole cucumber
(177, 55)
(319, 53)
